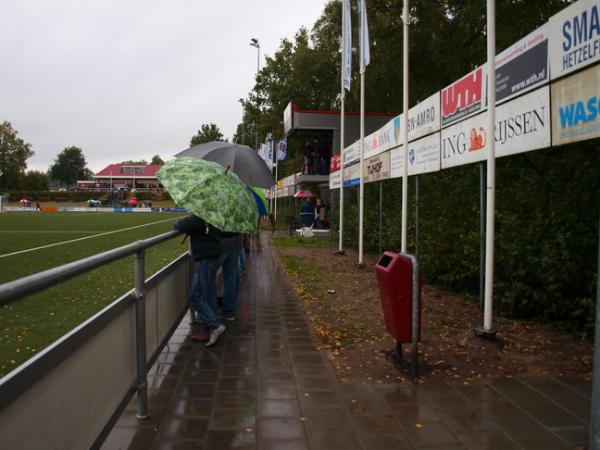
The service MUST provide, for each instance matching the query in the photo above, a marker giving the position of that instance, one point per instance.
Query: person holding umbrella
(207, 250)
(222, 207)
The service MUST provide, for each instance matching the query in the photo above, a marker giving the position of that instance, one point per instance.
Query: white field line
(51, 231)
(83, 238)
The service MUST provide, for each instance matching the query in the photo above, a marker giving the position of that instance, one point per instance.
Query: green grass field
(32, 242)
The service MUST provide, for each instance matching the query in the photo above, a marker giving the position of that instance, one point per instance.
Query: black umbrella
(242, 160)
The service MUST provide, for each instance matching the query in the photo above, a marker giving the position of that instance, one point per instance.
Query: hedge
(546, 247)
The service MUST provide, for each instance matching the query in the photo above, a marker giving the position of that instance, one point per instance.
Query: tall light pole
(254, 43)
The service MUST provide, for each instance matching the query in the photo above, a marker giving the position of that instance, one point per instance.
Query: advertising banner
(523, 66)
(424, 155)
(351, 153)
(377, 168)
(381, 140)
(397, 162)
(335, 180)
(352, 175)
(523, 124)
(464, 97)
(335, 163)
(424, 118)
(576, 107)
(574, 38)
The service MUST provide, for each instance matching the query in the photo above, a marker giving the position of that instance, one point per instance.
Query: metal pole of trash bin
(415, 318)
(594, 443)
(140, 335)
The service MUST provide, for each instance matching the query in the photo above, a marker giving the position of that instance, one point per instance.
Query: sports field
(34, 241)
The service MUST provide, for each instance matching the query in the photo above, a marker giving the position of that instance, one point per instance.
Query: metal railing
(79, 385)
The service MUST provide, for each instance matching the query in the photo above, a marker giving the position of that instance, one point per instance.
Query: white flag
(347, 44)
(365, 55)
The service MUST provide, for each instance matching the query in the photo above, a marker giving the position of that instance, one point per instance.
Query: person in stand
(207, 250)
(320, 214)
(307, 151)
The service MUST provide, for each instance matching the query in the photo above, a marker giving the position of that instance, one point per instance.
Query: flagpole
(491, 171)
(405, 130)
(276, 187)
(342, 126)
(361, 189)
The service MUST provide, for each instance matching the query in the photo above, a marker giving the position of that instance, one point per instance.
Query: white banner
(381, 140)
(424, 118)
(522, 124)
(574, 37)
(351, 154)
(576, 107)
(397, 162)
(335, 180)
(377, 168)
(424, 155)
(352, 175)
(365, 53)
(347, 44)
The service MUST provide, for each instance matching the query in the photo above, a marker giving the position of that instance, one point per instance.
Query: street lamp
(254, 43)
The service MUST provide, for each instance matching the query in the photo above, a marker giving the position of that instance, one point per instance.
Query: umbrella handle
(184, 239)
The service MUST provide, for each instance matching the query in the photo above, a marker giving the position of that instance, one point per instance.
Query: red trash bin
(395, 278)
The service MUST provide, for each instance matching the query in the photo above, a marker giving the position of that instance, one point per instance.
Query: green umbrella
(211, 192)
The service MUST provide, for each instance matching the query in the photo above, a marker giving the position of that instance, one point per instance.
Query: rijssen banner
(576, 107)
(574, 37)
(522, 124)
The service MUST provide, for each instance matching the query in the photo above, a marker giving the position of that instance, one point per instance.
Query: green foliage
(34, 180)
(156, 159)
(207, 133)
(14, 153)
(546, 231)
(69, 166)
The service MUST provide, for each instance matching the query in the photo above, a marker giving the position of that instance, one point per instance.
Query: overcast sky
(128, 79)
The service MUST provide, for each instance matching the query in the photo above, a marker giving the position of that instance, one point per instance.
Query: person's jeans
(202, 293)
(229, 265)
(241, 263)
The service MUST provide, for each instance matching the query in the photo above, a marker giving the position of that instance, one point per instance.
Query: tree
(69, 166)
(157, 160)
(141, 162)
(13, 156)
(207, 133)
(35, 181)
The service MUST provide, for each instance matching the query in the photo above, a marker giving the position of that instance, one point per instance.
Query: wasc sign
(575, 37)
(522, 125)
(576, 107)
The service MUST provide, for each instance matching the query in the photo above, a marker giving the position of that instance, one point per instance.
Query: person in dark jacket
(207, 250)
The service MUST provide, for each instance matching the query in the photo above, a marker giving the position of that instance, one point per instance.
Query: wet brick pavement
(266, 387)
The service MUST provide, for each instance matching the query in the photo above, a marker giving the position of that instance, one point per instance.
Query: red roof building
(131, 176)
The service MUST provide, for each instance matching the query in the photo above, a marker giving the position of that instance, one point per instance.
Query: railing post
(140, 335)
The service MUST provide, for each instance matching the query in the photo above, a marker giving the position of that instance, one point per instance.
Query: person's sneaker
(199, 337)
(215, 335)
